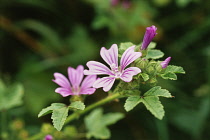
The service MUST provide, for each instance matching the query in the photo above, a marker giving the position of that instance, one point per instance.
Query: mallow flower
(164, 64)
(148, 36)
(114, 71)
(73, 85)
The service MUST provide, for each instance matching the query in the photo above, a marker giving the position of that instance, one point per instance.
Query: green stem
(92, 106)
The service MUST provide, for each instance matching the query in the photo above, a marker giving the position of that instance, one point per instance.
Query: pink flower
(48, 137)
(74, 85)
(114, 72)
(148, 36)
(164, 64)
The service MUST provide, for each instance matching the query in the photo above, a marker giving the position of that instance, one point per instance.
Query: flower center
(76, 90)
(116, 70)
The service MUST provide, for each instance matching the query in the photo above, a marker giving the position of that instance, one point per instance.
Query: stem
(92, 106)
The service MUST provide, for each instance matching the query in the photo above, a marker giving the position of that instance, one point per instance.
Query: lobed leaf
(77, 105)
(169, 75)
(59, 116)
(174, 69)
(97, 123)
(150, 100)
(157, 91)
(153, 104)
(131, 102)
(45, 111)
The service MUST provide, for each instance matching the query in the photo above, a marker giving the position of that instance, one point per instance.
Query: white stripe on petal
(105, 82)
(110, 56)
(128, 73)
(129, 56)
(96, 68)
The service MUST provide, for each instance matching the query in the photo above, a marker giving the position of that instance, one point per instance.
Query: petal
(128, 73)
(61, 80)
(76, 75)
(87, 91)
(128, 57)
(96, 68)
(63, 91)
(88, 81)
(105, 82)
(164, 64)
(110, 56)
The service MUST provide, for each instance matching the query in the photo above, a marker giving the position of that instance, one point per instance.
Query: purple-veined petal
(88, 81)
(105, 82)
(128, 73)
(128, 57)
(110, 56)
(64, 91)
(96, 68)
(76, 75)
(61, 80)
(164, 64)
(87, 91)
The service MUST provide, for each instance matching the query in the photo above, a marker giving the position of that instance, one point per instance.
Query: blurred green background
(40, 37)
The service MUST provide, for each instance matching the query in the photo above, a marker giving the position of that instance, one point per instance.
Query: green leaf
(150, 100)
(49, 109)
(174, 69)
(45, 111)
(112, 118)
(154, 54)
(59, 115)
(157, 91)
(77, 105)
(144, 76)
(153, 104)
(10, 96)
(152, 45)
(131, 102)
(169, 75)
(97, 123)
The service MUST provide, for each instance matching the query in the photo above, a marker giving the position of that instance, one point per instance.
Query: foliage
(39, 38)
(97, 123)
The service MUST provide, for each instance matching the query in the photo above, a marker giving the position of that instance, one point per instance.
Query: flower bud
(142, 63)
(148, 36)
(164, 64)
(48, 137)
